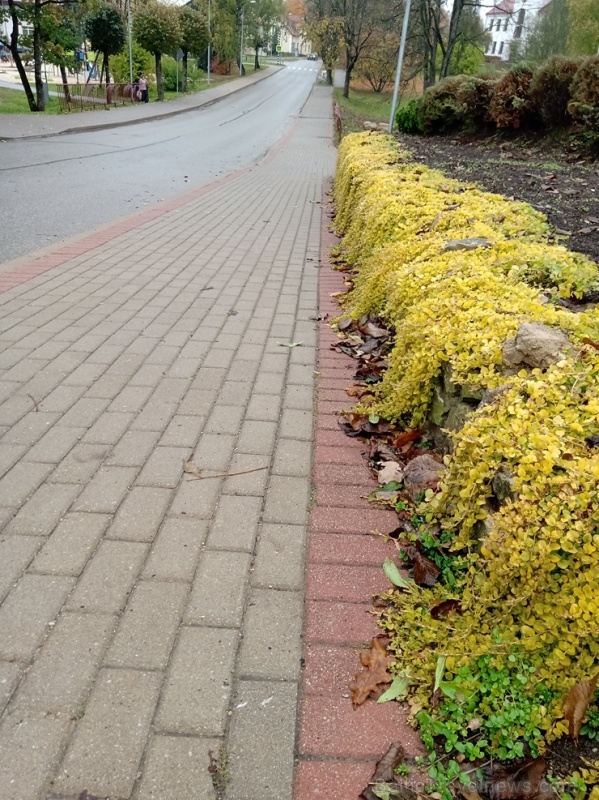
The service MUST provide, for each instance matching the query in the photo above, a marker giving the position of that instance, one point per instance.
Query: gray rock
(370, 126)
(422, 472)
(457, 416)
(438, 408)
(465, 244)
(383, 127)
(503, 485)
(535, 345)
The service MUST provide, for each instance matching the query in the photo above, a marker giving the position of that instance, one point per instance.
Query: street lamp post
(209, 41)
(130, 48)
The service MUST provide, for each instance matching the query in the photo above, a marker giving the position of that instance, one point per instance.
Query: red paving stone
(344, 570)
(332, 780)
(351, 520)
(346, 548)
(350, 584)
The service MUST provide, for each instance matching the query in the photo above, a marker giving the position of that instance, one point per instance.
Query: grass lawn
(13, 101)
(363, 105)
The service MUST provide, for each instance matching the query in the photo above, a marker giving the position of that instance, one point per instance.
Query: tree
(262, 17)
(326, 35)
(61, 35)
(157, 29)
(549, 35)
(194, 36)
(105, 29)
(584, 27)
(471, 42)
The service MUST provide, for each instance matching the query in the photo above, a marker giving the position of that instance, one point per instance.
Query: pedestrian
(143, 87)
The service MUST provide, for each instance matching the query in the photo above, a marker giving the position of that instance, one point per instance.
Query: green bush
(550, 90)
(511, 105)
(440, 110)
(143, 64)
(169, 74)
(408, 117)
(474, 96)
(584, 106)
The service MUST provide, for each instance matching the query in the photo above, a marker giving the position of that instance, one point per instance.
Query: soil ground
(560, 185)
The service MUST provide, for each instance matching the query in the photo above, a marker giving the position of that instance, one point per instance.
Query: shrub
(511, 105)
(584, 106)
(474, 96)
(169, 73)
(408, 117)
(526, 628)
(440, 109)
(142, 62)
(550, 90)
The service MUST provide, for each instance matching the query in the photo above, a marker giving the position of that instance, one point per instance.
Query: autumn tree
(261, 18)
(550, 32)
(326, 36)
(105, 29)
(61, 34)
(584, 27)
(157, 29)
(194, 36)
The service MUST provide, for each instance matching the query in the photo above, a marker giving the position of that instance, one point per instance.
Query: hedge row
(556, 94)
(527, 583)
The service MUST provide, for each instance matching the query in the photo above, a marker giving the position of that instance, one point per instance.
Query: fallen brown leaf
(376, 662)
(576, 704)
(522, 781)
(445, 609)
(426, 571)
(407, 436)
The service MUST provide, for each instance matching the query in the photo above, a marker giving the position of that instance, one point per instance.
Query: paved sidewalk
(146, 617)
(27, 126)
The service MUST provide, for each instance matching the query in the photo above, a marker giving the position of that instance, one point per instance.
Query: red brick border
(337, 746)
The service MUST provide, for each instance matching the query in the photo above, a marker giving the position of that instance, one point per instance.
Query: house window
(493, 46)
(519, 23)
(501, 47)
(505, 23)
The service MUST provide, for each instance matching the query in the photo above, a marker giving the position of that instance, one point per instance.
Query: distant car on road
(312, 57)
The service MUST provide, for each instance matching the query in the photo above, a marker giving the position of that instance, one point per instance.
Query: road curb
(125, 123)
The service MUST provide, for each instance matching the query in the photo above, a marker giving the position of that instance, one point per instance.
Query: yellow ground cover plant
(524, 573)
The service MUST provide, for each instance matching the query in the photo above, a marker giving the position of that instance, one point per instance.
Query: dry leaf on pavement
(369, 680)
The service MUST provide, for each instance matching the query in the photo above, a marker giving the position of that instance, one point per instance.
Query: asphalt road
(53, 188)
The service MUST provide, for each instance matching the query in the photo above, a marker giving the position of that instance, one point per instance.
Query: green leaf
(391, 570)
(392, 486)
(439, 672)
(383, 791)
(289, 344)
(373, 418)
(398, 688)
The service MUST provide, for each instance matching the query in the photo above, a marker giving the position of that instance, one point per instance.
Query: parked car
(312, 57)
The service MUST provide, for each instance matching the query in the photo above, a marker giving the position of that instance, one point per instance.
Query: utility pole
(130, 48)
(209, 40)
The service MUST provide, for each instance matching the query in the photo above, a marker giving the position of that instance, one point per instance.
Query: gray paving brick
(198, 402)
(175, 551)
(81, 464)
(55, 444)
(234, 393)
(43, 511)
(183, 431)
(108, 386)
(197, 498)
(280, 557)
(195, 695)
(155, 416)
(148, 375)
(30, 428)
(14, 408)
(243, 371)
(84, 412)
(164, 467)
(214, 451)
(224, 420)
(10, 672)
(176, 768)
(108, 428)
(26, 612)
(296, 424)
(61, 398)
(133, 449)
(108, 577)
(16, 553)
(106, 490)
(130, 400)
(122, 702)
(250, 483)
(209, 378)
(257, 437)
(218, 589)
(148, 626)
(301, 374)
(271, 645)
(69, 547)
(264, 712)
(9, 455)
(63, 671)
(293, 457)
(235, 526)
(297, 396)
(29, 747)
(264, 407)
(140, 515)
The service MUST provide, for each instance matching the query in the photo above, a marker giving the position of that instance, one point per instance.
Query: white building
(511, 21)
(291, 37)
